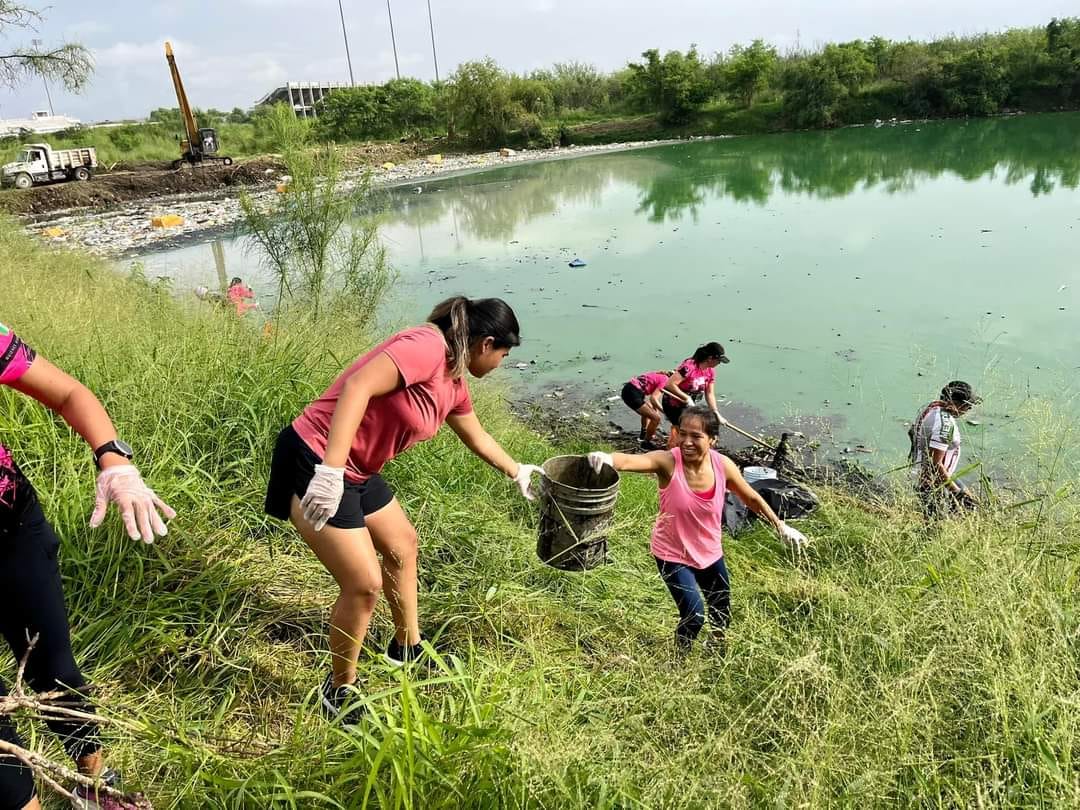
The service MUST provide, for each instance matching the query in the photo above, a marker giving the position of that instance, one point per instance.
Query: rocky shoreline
(128, 230)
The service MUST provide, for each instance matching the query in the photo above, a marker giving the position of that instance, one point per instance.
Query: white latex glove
(793, 537)
(139, 506)
(723, 421)
(597, 460)
(524, 480)
(323, 496)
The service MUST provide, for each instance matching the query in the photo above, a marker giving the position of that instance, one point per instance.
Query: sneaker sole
(394, 662)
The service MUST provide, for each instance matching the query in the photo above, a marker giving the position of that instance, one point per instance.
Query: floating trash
(577, 262)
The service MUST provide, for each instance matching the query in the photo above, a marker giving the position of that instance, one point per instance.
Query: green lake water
(849, 274)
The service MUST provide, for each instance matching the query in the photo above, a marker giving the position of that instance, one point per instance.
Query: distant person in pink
(241, 296)
(686, 539)
(324, 476)
(642, 395)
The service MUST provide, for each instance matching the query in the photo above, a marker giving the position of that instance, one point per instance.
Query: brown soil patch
(133, 182)
(642, 125)
(148, 181)
(375, 154)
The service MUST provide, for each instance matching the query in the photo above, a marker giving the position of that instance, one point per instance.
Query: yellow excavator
(200, 146)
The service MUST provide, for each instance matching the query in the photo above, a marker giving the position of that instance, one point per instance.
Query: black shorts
(34, 607)
(293, 467)
(673, 409)
(633, 396)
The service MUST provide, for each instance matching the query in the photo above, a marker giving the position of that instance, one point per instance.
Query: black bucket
(576, 509)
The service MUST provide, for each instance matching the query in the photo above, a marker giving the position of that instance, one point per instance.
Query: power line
(393, 41)
(434, 55)
(344, 33)
(37, 44)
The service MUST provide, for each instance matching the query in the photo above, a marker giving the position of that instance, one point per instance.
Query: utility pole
(37, 44)
(434, 55)
(344, 33)
(393, 41)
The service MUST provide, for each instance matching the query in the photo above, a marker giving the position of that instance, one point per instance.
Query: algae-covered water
(848, 273)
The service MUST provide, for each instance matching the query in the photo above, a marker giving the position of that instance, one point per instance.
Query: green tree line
(842, 83)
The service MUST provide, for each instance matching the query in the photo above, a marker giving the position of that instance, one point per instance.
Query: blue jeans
(687, 585)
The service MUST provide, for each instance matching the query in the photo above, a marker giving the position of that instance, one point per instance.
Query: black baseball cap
(711, 351)
(959, 392)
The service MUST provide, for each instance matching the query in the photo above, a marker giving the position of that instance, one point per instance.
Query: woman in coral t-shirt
(686, 540)
(325, 479)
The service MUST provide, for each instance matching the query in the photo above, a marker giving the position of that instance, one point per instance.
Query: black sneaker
(398, 654)
(342, 702)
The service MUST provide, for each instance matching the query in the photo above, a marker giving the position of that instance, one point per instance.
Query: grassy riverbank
(893, 668)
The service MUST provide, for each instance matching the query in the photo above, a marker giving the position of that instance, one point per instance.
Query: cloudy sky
(231, 53)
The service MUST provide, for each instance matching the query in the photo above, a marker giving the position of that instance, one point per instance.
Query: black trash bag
(736, 516)
(788, 500)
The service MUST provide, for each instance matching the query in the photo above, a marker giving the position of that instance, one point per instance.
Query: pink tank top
(688, 528)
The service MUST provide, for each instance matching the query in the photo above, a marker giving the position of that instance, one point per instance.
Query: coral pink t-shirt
(396, 421)
(650, 381)
(688, 528)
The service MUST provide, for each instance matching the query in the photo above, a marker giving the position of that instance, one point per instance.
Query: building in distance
(301, 96)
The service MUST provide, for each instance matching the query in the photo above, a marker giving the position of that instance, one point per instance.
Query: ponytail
(464, 322)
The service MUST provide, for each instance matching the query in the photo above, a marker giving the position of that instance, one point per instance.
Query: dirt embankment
(127, 183)
(109, 189)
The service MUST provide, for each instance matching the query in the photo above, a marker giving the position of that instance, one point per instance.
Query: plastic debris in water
(577, 262)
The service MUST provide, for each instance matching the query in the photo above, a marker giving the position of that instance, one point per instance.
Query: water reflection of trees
(678, 180)
(492, 205)
(1039, 150)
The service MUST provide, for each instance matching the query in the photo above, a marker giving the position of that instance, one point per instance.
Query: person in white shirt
(935, 451)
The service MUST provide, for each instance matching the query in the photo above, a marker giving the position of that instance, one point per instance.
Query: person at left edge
(33, 598)
(325, 479)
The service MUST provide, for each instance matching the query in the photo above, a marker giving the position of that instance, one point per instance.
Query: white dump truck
(39, 163)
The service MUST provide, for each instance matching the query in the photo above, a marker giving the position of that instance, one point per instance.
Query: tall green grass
(897, 667)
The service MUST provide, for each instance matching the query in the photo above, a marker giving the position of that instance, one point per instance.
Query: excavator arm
(191, 129)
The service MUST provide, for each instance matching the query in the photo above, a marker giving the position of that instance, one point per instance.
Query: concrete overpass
(301, 96)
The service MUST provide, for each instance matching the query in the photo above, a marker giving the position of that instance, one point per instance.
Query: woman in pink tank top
(686, 540)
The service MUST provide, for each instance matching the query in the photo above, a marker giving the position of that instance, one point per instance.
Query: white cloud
(127, 55)
(86, 29)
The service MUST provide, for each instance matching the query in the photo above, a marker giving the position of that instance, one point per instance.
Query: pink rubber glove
(139, 506)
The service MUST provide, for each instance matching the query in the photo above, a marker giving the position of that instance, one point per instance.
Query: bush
(675, 86)
(815, 87)
(747, 70)
(578, 86)
(480, 104)
(327, 262)
(531, 95)
(401, 107)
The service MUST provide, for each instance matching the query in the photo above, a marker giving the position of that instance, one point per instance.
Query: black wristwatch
(117, 446)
